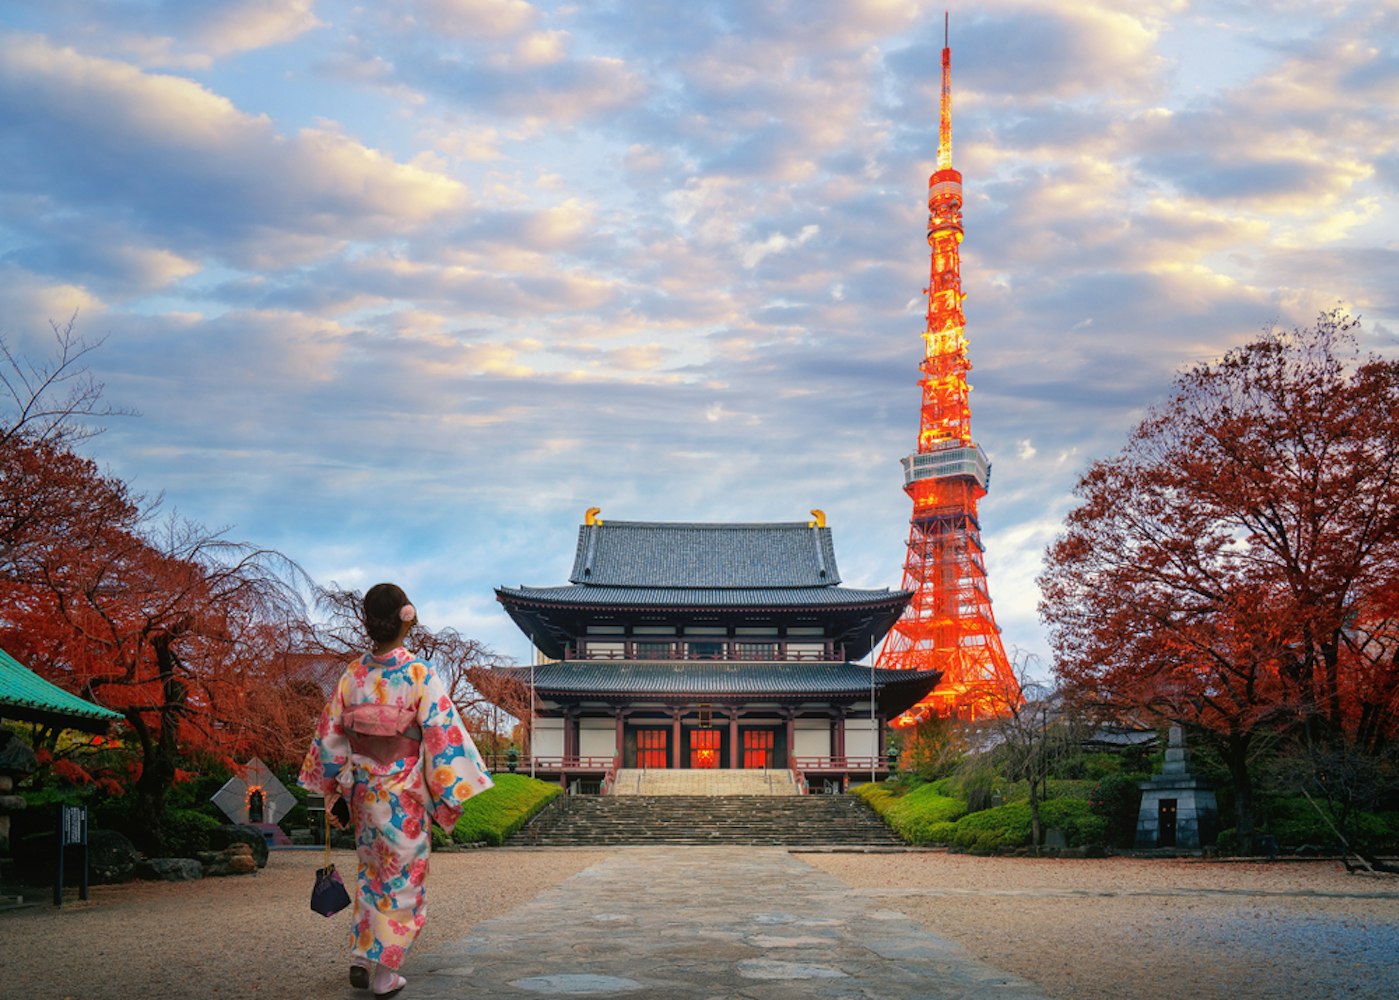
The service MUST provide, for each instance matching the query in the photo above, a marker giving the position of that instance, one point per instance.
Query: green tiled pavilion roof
(26, 695)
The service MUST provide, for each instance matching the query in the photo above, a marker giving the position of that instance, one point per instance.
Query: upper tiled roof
(646, 554)
(26, 695)
(706, 597)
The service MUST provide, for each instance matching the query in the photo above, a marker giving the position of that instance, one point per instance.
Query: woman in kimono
(390, 753)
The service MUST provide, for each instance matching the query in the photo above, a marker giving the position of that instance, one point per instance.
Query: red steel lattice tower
(948, 625)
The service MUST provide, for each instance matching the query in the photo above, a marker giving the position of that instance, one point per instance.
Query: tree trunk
(1235, 747)
(157, 774)
(158, 755)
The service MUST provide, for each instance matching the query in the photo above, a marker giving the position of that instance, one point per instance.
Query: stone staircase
(776, 820)
(703, 781)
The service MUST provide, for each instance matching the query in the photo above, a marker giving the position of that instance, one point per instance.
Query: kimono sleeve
(453, 770)
(325, 770)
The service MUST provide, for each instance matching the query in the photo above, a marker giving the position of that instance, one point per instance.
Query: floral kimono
(392, 801)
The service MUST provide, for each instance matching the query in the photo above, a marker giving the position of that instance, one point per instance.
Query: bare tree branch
(50, 400)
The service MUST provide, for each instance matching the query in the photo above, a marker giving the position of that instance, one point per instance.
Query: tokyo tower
(948, 625)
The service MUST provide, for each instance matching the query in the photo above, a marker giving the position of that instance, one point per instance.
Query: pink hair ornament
(407, 613)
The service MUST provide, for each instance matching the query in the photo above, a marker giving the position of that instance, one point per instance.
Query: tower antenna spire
(945, 116)
(948, 624)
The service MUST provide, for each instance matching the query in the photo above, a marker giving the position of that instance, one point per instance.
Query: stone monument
(255, 797)
(1178, 809)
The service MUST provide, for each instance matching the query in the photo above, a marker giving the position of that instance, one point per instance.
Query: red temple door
(757, 747)
(704, 748)
(651, 748)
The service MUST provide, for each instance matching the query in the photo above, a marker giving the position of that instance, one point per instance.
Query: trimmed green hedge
(915, 814)
(925, 816)
(998, 828)
(496, 813)
(1008, 826)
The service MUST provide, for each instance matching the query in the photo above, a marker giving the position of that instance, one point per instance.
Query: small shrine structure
(709, 645)
(1178, 810)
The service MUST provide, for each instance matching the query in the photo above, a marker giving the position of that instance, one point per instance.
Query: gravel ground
(245, 936)
(1129, 929)
(1115, 928)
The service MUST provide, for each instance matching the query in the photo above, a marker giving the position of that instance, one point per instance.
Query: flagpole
(533, 657)
(874, 726)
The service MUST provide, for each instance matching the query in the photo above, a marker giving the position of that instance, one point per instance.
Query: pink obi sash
(384, 732)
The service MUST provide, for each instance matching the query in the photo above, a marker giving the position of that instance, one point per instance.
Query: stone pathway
(705, 922)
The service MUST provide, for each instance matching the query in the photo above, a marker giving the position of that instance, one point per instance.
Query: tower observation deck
(948, 625)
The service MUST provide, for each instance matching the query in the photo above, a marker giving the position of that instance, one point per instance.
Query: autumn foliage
(204, 645)
(1235, 568)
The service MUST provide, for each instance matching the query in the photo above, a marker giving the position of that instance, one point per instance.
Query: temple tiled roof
(705, 597)
(26, 695)
(642, 554)
(785, 571)
(897, 689)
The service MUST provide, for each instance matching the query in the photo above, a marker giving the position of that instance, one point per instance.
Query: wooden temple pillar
(790, 726)
(570, 732)
(675, 754)
(734, 758)
(618, 750)
(838, 736)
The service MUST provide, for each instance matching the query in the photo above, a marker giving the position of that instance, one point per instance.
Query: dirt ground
(1132, 929)
(1095, 929)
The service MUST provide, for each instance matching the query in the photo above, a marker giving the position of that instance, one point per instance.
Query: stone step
(745, 820)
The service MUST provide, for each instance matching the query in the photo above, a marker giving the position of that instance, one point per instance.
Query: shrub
(1065, 788)
(942, 833)
(996, 828)
(978, 788)
(495, 814)
(1117, 800)
(1099, 765)
(913, 815)
(946, 786)
(1295, 822)
(1076, 819)
(187, 832)
(880, 795)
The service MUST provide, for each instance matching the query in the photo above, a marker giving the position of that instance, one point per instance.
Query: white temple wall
(811, 737)
(860, 739)
(597, 738)
(548, 737)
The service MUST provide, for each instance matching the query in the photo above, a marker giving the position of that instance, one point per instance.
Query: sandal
(395, 984)
(359, 976)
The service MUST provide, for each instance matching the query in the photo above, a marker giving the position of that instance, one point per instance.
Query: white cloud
(777, 243)
(514, 260)
(182, 160)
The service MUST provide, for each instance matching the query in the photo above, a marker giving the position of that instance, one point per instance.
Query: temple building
(709, 646)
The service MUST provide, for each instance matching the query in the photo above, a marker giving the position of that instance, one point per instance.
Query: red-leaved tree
(1233, 569)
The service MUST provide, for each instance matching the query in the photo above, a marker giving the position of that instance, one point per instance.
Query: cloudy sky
(401, 288)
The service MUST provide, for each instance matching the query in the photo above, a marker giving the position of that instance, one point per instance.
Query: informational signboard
(74, 824)
(72, 833)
